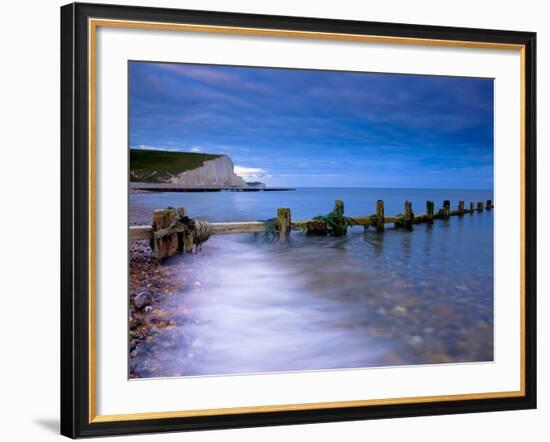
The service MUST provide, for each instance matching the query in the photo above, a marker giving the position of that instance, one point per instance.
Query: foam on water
(267, 319)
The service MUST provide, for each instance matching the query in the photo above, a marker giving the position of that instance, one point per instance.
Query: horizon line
(374, 187)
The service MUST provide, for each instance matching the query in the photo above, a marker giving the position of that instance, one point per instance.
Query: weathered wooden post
(447, 208)
(480, 206)
(339, 210)
(180, 212)
(185, 240)
(430, 212)
(380, 216)
(188, 244)
(167, 245)
(339, 207)
(471, 207)
(283, 223)
(461, 208)
(488, 205)
(409, 215)
(445, 211)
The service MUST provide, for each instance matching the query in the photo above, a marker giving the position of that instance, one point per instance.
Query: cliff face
(157, 166)
(216, 172)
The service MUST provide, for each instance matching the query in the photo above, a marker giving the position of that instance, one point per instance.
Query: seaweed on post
(335, 223)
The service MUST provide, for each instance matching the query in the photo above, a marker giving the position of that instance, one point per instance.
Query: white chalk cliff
(216, 172)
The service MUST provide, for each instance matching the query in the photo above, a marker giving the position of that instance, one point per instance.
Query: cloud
(249, 172)
(203, 73)
(147, 147)
(217, 76)
(318, 127)
(195, 149)
(307, 174)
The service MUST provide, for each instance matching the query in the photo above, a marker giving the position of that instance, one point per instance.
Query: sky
(311, 128)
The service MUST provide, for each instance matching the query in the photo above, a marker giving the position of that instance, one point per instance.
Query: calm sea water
(251, 305)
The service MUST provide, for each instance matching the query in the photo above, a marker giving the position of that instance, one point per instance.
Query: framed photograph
(274, 220)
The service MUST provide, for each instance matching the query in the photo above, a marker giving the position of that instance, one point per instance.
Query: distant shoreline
(171, 187)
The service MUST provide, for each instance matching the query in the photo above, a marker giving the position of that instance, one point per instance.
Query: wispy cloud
(214, 76)
(148, 147)
(249, 172)
(306, 174)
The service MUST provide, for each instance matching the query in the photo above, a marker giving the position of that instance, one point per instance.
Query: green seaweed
(336, 224)
(270, 234)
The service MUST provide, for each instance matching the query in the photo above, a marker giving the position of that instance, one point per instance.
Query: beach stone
(415, 341)
(400, 309)
(142, 299)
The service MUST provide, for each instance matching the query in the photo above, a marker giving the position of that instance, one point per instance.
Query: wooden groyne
(172, 231)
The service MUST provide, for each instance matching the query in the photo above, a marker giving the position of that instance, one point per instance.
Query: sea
(251, 304)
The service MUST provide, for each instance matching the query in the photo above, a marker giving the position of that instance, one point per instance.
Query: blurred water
(401, 297)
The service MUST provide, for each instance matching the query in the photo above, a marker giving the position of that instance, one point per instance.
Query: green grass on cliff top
(157, 166)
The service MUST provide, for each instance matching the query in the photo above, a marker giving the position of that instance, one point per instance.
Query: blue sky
(305, 128)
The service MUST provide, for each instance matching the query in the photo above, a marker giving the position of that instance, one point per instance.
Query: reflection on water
(368, 299)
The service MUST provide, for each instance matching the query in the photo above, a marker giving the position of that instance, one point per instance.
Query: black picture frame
(75, 221)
